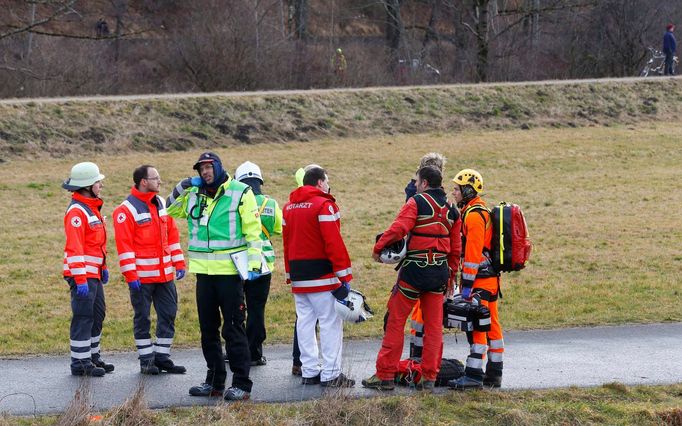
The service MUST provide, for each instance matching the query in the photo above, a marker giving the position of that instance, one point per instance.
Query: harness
(436, 224)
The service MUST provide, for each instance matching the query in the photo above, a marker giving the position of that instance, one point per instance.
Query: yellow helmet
(470, 177)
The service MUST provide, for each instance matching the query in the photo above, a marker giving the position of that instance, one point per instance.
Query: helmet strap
(468, 193)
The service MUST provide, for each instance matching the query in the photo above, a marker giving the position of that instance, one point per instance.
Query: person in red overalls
(150, 257)
(85, 268)
(433, 225)
(478, 277)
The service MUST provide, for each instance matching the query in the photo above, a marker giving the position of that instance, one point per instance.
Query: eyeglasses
(154, 178)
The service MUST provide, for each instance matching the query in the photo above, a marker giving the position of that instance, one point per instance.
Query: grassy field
(601, 205)
(612, 404)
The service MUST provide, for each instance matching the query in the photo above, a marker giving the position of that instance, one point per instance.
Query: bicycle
(656, 63)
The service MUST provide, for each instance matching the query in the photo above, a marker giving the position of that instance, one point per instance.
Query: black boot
(493, 375)
(168, 365)
(108, 368)
(148, 367)
(88, 370)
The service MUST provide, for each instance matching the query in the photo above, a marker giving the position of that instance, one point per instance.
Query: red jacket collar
(144, 196)
(94, 203)
(307, 192)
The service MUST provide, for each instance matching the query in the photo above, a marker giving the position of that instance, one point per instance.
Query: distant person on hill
(669, 48)
(339, 65)
(101, 28)
(150, 258)
(85, 269)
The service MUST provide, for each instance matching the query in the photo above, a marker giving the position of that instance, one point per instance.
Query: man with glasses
(150, 257)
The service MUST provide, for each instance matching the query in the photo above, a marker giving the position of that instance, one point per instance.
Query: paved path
(170, 96)
(639, 354)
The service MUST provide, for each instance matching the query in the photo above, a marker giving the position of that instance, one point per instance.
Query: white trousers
(310, 308)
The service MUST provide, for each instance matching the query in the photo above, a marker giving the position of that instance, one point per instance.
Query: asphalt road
(633, 355)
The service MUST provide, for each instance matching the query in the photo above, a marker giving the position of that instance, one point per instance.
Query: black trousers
(669, 64)
(257, 292)
(86, 323)
(224, 294)
(164, 296)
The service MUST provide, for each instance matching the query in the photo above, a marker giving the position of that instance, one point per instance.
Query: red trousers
(399, 308)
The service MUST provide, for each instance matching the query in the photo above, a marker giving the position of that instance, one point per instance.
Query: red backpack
(510, 247)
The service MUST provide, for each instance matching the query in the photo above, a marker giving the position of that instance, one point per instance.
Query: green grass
(600, 202)
(613, 404)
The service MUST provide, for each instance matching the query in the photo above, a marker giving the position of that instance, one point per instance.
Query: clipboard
(241, 262)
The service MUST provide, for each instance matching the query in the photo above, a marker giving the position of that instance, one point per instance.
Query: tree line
(72, 47)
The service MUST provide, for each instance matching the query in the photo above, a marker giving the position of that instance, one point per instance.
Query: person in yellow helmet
(478, 278)
(339, 65)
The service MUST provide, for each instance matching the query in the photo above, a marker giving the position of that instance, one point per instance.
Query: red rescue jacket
(315, 256)
(85, 251)
(147, 239)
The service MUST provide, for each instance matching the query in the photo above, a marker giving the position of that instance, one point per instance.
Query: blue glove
(342, 292)
(135, 285)
(196, 181)
(82, 290)
(105, 276)
(253, 275)
(179, 274)
(466, 292)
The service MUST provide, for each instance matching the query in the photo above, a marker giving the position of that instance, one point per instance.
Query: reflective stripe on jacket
(85, 249)
(477, 233)
(218, 226)
(147, 239)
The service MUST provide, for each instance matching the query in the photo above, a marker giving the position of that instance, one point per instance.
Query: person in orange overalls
(478, 277)
(417, 321)
(432, 252)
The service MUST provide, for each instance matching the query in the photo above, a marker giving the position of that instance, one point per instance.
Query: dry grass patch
(600, 202)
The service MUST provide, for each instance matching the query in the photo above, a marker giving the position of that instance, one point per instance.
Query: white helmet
(82, 175)
(353, 308)
(248, 170)
(393, 253)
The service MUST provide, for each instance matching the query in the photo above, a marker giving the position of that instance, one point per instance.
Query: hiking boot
(205, 389)
(426, 385)
(235, 394)
(465, 383)
(260, 361)
(88, 370)
(311, 380)
(296, 370)
(492, 381)
(149, 368)
(168, 366)
(376, 383)
(108, 368)
(340, 381)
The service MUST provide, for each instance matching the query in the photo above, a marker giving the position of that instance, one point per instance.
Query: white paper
(241, 262)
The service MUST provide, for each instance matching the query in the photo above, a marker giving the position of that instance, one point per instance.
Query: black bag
(450, 369)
